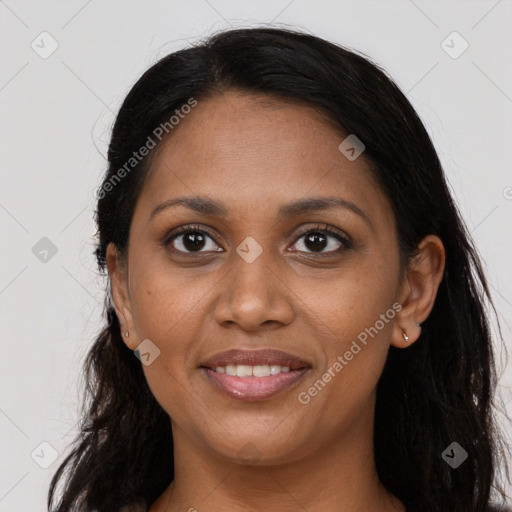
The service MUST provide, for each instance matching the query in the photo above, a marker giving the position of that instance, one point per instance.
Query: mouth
(251, 375)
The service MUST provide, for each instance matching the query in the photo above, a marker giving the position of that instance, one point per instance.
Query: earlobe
(120, 296)
(409, 336)
(127, 327)
(419, 290)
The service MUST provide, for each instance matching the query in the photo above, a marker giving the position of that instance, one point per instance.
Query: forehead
(248, 149)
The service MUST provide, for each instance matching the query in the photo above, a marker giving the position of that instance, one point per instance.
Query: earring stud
(127, 334)
(406, 338)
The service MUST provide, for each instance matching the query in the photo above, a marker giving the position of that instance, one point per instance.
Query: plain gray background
(56, 113)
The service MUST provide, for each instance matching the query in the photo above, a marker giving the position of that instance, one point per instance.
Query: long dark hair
(438, 391)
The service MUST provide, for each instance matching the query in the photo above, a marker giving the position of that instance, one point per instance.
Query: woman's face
(255, 281)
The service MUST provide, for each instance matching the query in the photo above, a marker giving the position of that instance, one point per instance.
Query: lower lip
(252, 389)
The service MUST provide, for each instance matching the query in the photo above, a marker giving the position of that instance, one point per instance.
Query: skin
(254, 154)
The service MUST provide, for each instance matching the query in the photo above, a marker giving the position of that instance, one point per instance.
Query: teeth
(261, 370)
(231, 369)
(246, 370)
(243, 370)
(274, 369)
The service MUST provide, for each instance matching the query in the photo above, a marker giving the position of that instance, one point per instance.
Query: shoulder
(134, 508)
(492, 508)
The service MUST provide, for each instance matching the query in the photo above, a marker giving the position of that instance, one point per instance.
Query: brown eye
(191, 240)
(321, 241)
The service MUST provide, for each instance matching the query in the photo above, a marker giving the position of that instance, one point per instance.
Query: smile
(252, 388)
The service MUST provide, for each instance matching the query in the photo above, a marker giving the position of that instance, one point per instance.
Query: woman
(305, 305)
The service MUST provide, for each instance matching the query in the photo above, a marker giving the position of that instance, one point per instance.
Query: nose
(253, 296)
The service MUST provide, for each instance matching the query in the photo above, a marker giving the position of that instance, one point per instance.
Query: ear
(418, 290)
(120, 295)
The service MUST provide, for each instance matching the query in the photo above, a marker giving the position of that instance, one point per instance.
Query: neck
(338, 475)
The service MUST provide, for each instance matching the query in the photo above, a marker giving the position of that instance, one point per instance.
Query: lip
(253, 389)
(254, 358)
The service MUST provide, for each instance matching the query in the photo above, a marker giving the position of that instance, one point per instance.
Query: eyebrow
(208, 206)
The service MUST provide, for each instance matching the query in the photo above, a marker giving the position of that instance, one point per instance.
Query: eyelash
(320, 228)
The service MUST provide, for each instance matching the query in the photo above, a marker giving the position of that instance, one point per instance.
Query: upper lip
(254, 358)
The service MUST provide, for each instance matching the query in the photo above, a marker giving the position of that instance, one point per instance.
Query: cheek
(359, 314)
(162, 299)
(356, 303)
(165, 312)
